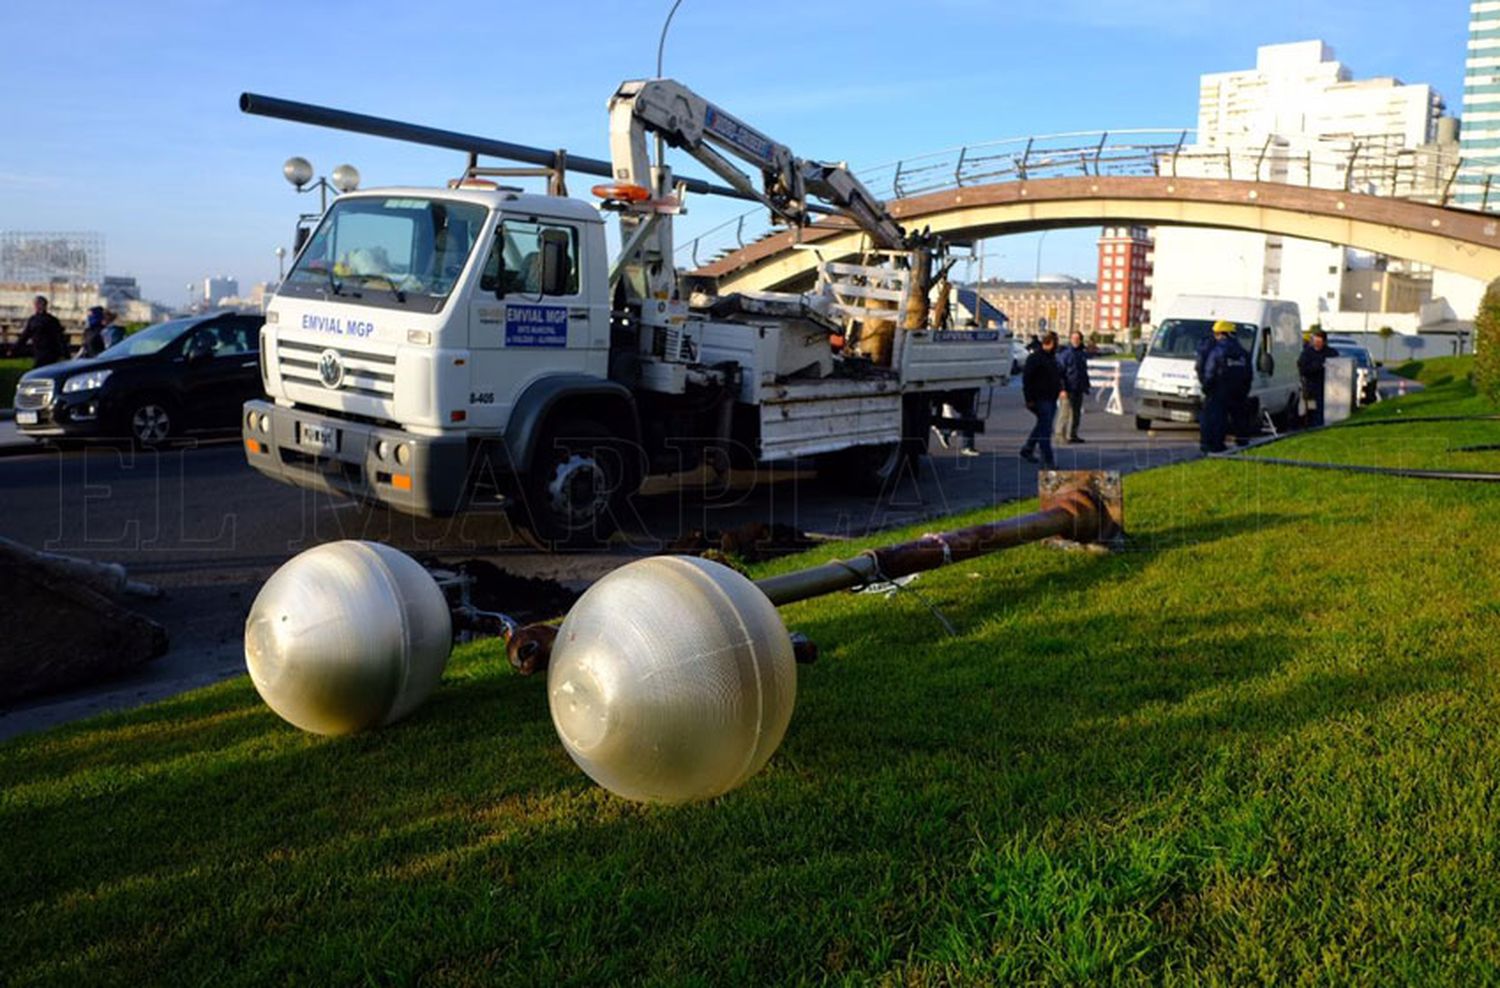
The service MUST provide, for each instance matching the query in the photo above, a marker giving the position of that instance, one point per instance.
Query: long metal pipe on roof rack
(360, 123)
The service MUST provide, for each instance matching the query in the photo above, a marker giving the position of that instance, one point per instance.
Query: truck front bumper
(420, 475)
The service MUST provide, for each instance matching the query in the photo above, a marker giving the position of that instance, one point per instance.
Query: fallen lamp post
(670, 679)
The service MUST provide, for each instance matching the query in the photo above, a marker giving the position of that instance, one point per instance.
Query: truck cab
(409, 332)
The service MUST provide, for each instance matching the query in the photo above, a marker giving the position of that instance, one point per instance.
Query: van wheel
(577, 484)
(1143, 424)
(1288, 415)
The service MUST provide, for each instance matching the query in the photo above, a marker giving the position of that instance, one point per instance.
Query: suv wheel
(150, 421)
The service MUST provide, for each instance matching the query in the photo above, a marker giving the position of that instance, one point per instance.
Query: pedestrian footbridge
(1415, 205)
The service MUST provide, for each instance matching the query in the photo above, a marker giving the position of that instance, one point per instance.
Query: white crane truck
(432, 349)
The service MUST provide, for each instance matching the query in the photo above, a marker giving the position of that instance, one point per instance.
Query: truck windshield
(1182, 337)
(393, 252)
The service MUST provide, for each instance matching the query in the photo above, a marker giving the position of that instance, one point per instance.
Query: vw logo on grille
(330, 369)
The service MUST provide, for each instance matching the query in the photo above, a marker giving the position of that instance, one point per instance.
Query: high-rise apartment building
(1301, 114)
(1479, 142)
(1124, 272)
(218, 288)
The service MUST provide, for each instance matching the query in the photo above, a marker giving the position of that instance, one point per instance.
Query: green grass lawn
(1428, 446)
(11, 370)
(1261, 744)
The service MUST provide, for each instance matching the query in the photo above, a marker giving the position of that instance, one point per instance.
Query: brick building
(1124, 278)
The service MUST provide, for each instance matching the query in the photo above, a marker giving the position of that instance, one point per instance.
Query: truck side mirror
(1267, 363)
(557, 272)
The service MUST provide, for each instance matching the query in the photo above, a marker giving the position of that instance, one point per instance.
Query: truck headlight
(86, 382)
(403, 454)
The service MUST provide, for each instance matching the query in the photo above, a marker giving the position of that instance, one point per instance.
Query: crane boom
(687, 121)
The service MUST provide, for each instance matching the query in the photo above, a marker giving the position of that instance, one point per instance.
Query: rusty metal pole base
(1054, 487)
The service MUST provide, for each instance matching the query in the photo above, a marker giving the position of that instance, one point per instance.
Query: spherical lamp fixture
(346, 637)
(672, 679)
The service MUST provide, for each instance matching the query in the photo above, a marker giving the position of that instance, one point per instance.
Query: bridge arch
(1459, 240)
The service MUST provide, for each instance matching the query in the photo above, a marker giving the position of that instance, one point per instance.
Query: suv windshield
(1181, 337)
(394, 252)
(150, 340)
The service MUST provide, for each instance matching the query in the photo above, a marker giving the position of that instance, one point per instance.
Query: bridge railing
(1433, 174)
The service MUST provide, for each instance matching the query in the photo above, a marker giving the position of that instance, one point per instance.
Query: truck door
(517, 331)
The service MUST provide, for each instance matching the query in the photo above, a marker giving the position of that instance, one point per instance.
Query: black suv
(169, 379)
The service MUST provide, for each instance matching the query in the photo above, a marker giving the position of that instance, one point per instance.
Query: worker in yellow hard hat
(1224, 374)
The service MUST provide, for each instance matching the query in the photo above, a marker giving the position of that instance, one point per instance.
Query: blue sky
(122, 118)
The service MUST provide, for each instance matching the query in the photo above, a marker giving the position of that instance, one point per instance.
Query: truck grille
(364, 372)
(34, 394)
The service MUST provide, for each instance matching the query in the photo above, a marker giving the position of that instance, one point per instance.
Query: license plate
(26, 418)
(1178, 416)
(323, 438)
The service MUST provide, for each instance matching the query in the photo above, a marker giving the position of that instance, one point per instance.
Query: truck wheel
(577, 484)
(150, 421)
(1143, 424)
(863, 469)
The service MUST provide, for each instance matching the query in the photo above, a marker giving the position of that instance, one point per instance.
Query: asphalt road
(198, 522)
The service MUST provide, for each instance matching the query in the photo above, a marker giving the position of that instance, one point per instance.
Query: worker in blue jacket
(1073, 361)
(1224, 373)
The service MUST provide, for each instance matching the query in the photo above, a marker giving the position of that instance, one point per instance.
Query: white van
(1166, 386)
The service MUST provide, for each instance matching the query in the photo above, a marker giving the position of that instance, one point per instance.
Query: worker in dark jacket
(1225, 377)
(1042, 387)
(49, 343)
(1310, 367)
(1073, 361)
(93, 332)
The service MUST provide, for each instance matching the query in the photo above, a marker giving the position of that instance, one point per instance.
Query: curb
(16, 449)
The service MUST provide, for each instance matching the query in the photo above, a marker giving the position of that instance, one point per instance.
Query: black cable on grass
(1475, 476)
(1471, 476)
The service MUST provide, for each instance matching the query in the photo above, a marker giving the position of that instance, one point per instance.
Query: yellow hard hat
(1223, 326)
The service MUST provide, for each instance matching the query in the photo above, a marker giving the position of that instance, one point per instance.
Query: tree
(1385, 333)
(1487, 343)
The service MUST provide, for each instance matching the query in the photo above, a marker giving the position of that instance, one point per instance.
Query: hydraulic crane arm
(687, 121)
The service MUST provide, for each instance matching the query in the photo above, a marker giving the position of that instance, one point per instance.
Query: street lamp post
(1039, 241)
(299, 172)
(978, 285)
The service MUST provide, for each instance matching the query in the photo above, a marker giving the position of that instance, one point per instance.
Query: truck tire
(577, 484)
(863, 469)
(1142, 423)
